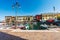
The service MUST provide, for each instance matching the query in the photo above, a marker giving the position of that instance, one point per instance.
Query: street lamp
(16, 6)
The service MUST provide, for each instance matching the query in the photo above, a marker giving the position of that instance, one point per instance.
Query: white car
(44, 26)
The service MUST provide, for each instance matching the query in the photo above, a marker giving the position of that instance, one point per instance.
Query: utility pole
(16, 7)
(53, 12)
(54, 9)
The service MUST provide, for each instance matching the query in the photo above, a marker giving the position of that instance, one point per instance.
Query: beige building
(10, 19)
(47, 16)
(24, 18)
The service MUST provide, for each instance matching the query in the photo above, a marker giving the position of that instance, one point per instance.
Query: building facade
(47, 16)
(38, 17)
(12, 19)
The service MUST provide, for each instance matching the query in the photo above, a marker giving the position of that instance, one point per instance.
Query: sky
(28, 7)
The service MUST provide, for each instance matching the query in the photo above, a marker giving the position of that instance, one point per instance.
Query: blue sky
(28, 7)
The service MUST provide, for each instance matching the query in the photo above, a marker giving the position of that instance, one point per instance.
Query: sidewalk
(34, 34)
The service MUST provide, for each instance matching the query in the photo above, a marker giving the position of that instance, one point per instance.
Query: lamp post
(16, 6)
(54, 11)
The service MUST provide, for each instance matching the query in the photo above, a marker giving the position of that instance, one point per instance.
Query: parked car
(43, 26)
(49, 22)
(21, 26)
(57, 23)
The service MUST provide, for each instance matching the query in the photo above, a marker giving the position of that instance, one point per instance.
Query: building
(12, 19)
(47, 16)
(38, 17)
(8, 20)
(58, 16)
(24, 18)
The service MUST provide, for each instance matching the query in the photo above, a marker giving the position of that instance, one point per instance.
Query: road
(5, 36)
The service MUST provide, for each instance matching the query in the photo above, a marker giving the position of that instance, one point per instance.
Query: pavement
(5, 36)
(17, 34)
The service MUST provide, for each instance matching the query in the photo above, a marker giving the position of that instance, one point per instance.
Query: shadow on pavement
(5, 36)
